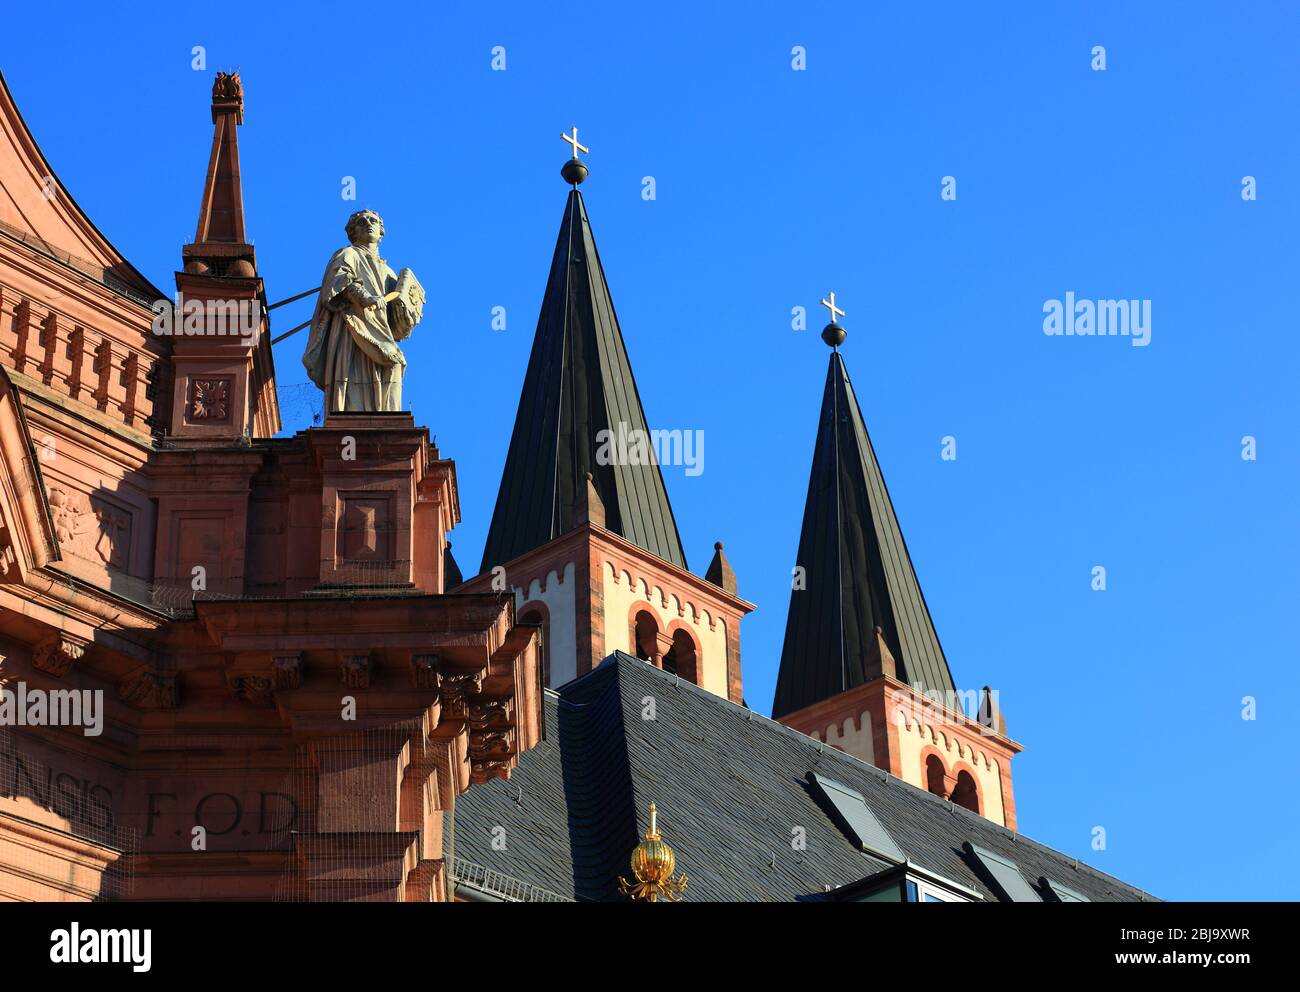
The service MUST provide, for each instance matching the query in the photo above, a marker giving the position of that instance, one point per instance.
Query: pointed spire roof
(220, 245)
(578, 384)
(720, 572)
(861, 612)
(451, 576)
(221, 212)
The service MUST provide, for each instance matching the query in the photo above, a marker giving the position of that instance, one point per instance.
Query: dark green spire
(578, 384)
(857, 571)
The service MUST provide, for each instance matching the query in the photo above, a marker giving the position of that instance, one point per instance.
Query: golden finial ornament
(653, 863)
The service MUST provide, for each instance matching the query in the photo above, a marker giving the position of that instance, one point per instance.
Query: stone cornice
(86, 290)
(853, 701)
(50, 408)
(464, 630)
(590, 534)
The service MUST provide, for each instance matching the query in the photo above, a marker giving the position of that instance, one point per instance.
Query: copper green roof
(858, 574)
(578, 384)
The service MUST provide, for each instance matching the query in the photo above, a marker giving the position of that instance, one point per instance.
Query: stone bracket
(56, 654)
(148, 689)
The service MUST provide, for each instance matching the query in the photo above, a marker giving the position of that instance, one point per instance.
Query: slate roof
(578, 383)
(730, 787)
(858, 574)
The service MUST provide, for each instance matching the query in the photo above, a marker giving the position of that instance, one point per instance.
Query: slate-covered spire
(578, 386)
(861, 602)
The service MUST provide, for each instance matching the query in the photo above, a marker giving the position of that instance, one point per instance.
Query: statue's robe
(352, 351)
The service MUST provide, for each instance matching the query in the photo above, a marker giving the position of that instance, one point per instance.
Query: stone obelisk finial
(220, 245)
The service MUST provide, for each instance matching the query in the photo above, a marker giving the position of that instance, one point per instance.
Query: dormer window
(904, 883)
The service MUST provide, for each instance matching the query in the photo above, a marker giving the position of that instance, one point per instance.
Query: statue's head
(365, 227)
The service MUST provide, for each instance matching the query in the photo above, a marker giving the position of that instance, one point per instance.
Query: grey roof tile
(731, 786)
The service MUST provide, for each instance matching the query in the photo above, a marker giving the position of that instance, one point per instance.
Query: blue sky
(773, 186)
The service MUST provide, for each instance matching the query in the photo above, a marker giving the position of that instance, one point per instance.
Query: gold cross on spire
(574, 142)
(835, 311)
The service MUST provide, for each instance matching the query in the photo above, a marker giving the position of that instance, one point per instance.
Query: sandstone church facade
(302, 697)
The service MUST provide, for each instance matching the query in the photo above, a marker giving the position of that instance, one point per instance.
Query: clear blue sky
(774, 186)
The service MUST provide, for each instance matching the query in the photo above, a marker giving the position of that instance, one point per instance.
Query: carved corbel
(56, 653)
(491, 715)
(286, 671)
(149, 690)
(426, 672)
(356, 671)
(457, 689)
(492, 737)
(485, 771)
(490, 747)
(255, 689)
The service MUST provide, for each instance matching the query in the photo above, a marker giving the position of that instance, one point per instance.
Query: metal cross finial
(835, 311)
(574, 142)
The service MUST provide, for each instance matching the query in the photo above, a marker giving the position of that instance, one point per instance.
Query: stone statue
(362, 312)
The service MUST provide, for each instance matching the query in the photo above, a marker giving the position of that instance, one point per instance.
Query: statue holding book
(363, 310)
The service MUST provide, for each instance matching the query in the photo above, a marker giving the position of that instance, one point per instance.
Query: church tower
(583, 532)
(862, 668)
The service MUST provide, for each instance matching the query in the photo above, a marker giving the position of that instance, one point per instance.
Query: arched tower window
(681, 658)
(646, 637)
(934, 776)
(532, 616)
(965, 792)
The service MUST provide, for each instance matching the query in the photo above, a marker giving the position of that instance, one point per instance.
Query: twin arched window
(964, 792)
(681, 658)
